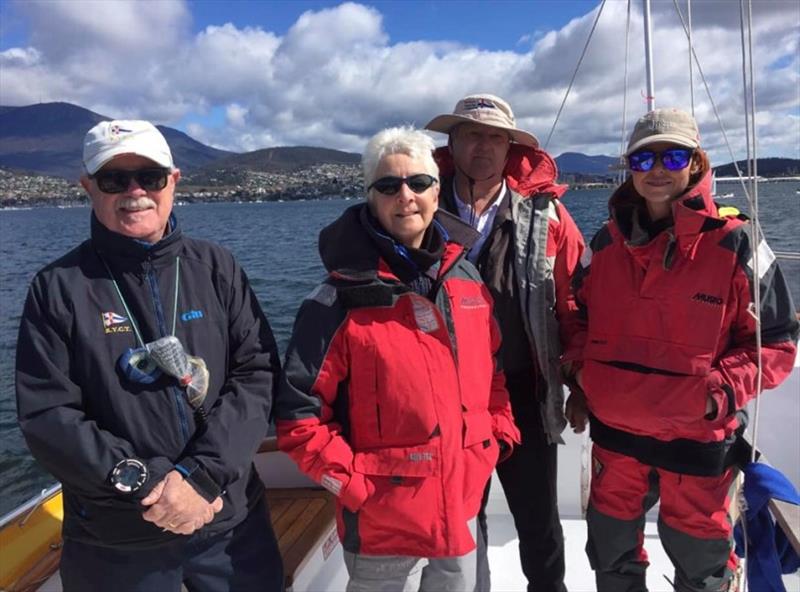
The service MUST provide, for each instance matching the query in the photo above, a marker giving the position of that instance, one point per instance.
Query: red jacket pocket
(412, 461)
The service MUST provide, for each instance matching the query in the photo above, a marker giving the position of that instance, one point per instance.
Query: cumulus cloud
(335, 76)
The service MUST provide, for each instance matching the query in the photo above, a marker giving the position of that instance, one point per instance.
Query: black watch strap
(198, 478)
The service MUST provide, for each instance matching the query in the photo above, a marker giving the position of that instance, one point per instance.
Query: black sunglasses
(674, 159)
(118, 181)
(391, 185)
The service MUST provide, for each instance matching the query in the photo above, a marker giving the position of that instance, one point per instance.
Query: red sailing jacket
(667, 322)
(394, 402)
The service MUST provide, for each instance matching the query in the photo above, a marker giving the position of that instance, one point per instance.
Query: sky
(243, 75)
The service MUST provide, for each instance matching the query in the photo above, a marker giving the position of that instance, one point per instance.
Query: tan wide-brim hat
(483, 109)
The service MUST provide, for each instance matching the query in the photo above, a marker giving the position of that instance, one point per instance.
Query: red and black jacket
(667, 323)
(393, 401)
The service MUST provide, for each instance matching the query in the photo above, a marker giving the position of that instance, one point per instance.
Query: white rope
(757, 234)
(746, 107)
(575, 73)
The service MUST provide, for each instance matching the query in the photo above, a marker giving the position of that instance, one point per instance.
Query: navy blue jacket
(80, 415)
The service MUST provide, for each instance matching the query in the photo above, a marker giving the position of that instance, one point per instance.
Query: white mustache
(136, 203)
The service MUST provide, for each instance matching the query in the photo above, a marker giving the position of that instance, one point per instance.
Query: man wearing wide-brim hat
(495, 177)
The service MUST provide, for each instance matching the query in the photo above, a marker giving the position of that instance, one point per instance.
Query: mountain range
(46, 139)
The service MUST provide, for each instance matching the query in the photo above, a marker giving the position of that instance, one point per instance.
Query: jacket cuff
(199, 479)
(504, 428)
(723, 395)
(157, 469)
(356, 492)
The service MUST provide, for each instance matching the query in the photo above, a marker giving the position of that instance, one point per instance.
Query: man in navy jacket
(145, 373)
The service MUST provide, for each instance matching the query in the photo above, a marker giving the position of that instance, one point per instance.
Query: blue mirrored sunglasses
(674, 159)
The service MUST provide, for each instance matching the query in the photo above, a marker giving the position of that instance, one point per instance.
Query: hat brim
(671, 138)
(102, 158)
(446, 123)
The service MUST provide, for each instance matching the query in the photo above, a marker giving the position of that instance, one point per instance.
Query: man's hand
(175, 506)
(576, 411)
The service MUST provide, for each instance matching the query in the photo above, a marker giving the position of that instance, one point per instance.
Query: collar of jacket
(347, 252)
(693, 213)
(528, 171)
(129, 253)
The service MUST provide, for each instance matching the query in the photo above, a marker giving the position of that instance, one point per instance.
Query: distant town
(40, 163)
(324, 181)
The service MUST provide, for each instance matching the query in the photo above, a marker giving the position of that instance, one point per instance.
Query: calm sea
(277, 245)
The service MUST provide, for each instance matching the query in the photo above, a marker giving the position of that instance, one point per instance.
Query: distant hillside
(575, 162)
(47, 138)
(767, 167)
(284, 159)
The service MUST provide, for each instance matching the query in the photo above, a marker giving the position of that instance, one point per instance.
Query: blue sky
(244, 75)
(500, 25)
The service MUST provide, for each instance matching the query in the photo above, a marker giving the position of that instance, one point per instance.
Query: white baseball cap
(111, 138)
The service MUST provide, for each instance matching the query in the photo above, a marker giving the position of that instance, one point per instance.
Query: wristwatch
(128, 475)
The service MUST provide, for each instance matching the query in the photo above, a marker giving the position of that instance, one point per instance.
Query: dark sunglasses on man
(118, 181)
(673, 159)
(391, 185)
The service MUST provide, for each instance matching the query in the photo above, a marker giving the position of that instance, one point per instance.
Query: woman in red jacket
(391, 397)
(667, 359)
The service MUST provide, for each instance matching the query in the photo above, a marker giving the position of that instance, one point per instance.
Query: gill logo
(192, 315)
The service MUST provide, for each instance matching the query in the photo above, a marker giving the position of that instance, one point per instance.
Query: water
(276, 243)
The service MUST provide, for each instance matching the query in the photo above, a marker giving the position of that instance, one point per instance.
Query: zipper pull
(669, 252)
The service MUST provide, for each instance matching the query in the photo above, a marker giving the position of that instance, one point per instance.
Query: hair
(398, 140)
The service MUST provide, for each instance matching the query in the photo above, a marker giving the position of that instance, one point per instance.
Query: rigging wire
(751, 193)
(623, 169)
(714, 107)
(691, 65)
(575, 73)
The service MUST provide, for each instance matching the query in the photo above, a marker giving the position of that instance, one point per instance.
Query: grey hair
(398, 140)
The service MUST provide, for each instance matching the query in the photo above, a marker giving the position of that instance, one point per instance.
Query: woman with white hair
(391, 397)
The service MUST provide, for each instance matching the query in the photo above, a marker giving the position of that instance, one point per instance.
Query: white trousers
(398, 573)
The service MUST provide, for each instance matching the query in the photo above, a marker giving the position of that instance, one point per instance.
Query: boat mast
(648, 53)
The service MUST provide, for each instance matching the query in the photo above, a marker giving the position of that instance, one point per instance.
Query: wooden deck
(303, 520)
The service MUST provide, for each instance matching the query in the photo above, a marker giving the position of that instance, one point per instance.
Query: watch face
(129, 475)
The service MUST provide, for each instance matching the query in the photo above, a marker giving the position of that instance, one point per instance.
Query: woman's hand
(576, 411)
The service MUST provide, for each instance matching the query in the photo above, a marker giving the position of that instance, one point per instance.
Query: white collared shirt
(482, 223)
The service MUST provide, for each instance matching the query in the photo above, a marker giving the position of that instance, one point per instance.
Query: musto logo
(707, 299)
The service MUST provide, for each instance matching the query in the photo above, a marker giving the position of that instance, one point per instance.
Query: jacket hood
(693, 213)
(347, 250)
(528, 170)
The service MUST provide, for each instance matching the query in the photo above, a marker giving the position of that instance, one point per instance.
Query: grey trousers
(397, 573)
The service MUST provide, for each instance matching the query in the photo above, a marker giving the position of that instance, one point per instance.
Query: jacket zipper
(162, 329)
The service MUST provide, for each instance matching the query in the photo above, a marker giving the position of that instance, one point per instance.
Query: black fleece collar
(347, 249)
(128, 251)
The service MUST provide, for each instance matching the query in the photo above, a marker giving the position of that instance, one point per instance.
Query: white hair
(398, 140)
